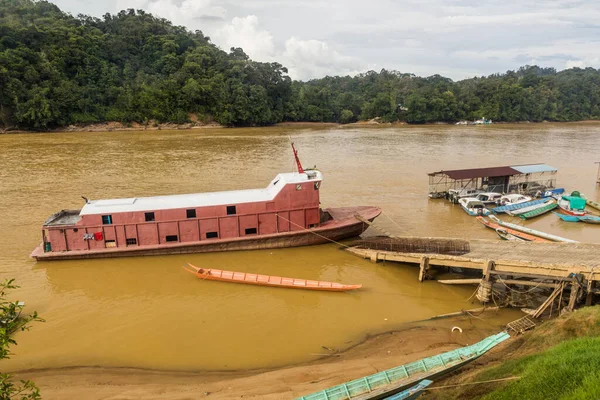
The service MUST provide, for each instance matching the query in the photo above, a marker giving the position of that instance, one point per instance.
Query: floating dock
(568, 263)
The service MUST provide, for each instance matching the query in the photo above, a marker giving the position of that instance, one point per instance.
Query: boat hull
(267, 280)
(344, 225)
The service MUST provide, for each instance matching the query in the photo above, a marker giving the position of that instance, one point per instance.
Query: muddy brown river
(148, 312)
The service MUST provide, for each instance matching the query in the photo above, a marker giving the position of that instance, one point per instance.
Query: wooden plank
(460, 281)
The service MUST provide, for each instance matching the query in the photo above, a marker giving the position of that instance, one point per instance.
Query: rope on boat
(474, 383)
(394, 222)
(314, 233)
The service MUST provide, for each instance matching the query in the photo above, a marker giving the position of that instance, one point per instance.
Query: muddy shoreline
(118, 126)
(410, 342)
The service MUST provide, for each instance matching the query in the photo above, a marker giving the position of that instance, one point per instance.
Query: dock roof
(491, 172)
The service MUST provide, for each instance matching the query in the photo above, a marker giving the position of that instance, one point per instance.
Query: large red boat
(284, 214)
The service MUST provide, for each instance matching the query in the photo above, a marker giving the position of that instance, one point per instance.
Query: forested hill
(57, 70)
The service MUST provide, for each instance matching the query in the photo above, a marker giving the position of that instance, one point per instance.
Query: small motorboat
(567, 218)
(573, 204)
(472, 206)
(456, 194)
(266, 280)
(513, 198)
(504, 235)
(589, 219)
(489, 197)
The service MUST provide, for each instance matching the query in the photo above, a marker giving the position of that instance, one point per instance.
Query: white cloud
(308, 59)
(247, 33)
(455, 38)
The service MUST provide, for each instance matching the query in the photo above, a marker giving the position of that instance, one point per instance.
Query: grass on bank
(560, 359)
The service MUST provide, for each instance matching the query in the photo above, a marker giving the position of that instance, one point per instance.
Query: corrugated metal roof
(478, 173)
(533, 168)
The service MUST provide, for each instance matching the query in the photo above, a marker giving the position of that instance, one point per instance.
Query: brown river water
(148, 312)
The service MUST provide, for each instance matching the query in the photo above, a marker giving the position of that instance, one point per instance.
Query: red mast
(300, 169)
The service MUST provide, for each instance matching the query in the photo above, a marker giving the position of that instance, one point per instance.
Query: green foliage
(56, 70)
(12, 320)
(570, 370)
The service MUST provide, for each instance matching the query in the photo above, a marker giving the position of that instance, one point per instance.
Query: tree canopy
(57, 70)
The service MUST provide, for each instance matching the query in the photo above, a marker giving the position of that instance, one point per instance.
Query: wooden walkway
(553, 260)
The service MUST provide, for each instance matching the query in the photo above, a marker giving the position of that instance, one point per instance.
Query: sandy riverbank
(134, 126)
(412, 342)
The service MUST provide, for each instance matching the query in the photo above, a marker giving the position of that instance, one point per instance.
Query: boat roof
(199, 199)
(492, 172)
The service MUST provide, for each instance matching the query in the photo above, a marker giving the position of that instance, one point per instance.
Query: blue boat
(589, 219)
(412, 393)
(513, 207)
(553, 192)
(567, 218)
(392, 381)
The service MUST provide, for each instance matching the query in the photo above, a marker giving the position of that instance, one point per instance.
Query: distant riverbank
(135, 126)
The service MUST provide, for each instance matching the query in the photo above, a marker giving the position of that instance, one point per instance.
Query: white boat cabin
(489, 197)
(513, 199)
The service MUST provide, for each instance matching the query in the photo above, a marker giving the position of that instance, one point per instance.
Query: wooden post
(423, 268)
(488, 267)
(374, 256)
(589, 298)
(573, 296)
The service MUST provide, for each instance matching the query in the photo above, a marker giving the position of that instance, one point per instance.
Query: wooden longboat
(504, 235)
(593, 204)
(589, 219)
(266, 280)
(520, 235)
(384, 384)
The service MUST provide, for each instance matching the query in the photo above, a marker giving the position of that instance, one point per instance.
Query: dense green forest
(57, 70)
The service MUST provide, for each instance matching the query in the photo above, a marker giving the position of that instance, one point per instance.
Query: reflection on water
(148, 312)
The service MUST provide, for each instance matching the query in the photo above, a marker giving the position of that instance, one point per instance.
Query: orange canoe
(266, 280)
(519, 234)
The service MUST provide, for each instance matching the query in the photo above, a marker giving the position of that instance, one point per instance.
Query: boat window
(298, 187)
(149, 216)
(231, 210)
(251, 231)
(131, 241)
(106, 219)
(172, 238)
(191, 213)
(317, 185)
(110, 243)
(212, 235)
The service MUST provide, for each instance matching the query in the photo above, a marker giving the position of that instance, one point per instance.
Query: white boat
(489, 197)
(455, 194)
(513, 199)
(472, 206)
(524, 210)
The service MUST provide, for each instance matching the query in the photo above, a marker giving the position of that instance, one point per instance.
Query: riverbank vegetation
(12, 320)
(560, 359)
(57, 70)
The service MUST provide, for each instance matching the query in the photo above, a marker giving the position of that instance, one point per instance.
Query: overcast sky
(454, 38)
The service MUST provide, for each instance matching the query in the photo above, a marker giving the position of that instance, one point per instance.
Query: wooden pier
(514, 263)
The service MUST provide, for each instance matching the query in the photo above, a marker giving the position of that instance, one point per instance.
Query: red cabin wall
(296, 207)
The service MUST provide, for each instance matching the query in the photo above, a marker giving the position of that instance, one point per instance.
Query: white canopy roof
(199, 199)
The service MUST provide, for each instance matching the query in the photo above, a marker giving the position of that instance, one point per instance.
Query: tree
(11, 320)
(346, 116)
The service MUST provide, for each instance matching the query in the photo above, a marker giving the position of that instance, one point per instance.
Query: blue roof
(533, 168)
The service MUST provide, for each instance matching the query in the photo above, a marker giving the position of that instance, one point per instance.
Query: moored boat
(533, 207)
(504, 235)
(513, 198)
(567, 218)
(412, 392)
(213, 274)
(521, 235)
(593, 204)
(518, 205)
(286, 213)
(573, 204)
(530, 231)
(489, 197)
(472, 206)
(590, 219)
(545, 208)
(394, 380)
